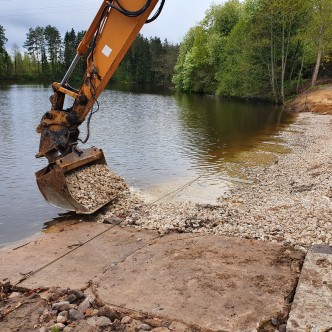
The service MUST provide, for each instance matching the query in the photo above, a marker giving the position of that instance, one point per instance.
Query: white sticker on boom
(106, 51)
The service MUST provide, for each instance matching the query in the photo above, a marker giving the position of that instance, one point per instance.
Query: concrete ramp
(207, 282)
(212, 282)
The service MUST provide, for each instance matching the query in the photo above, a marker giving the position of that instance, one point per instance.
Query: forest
(257, 49)
(47, 57)
(250, 49)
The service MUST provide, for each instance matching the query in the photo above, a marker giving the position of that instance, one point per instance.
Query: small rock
(86, 303)
(43, 329)
(161, 329)
(75, 315)
(61, 306)
(63, 313)
(89, 312)
(144, 327)
(282, 328)
(61, 319)
(99, 321)
(153, 322)
(45, 317)
(274, 321)
(113, 220)
(126, 320)
(68, 329)
(54, 294)
(79, 294)
(109, 313)
(71, 298)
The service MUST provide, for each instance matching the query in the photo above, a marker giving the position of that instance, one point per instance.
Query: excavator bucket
(53, 181)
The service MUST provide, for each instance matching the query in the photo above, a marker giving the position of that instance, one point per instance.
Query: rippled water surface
(147, 139)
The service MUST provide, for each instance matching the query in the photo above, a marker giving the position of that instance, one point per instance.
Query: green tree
(17, 60)
(203, 49)
(54, 48)
(276, 25)
(36, 46)
(3, 40)
(319, 32)
(70, 42)
(156, 53)
(183, 71)
(6, 66)
(167, 63)
(140, 60)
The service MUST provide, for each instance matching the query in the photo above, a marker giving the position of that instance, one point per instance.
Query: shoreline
(281, 209)
(288, 201)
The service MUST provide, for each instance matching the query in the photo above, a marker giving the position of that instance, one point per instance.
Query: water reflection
(216, 129)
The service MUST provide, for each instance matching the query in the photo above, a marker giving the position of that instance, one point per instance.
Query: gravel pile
(289, 201)
(95, 185)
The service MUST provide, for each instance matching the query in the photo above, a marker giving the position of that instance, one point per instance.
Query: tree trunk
(300, 74)
(319, 57)
(271, 69)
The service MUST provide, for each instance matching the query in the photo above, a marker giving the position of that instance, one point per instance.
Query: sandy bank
(316, 100)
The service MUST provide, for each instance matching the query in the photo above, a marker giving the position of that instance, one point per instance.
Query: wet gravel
(288, 201)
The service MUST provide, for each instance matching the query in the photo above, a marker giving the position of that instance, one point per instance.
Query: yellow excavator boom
(105, 43)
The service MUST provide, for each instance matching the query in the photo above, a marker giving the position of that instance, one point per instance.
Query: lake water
(147, 138)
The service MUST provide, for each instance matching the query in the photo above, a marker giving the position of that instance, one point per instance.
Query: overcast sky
(17, 16)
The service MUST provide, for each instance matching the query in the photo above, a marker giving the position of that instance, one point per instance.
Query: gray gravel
(288, 201)
(95, 185)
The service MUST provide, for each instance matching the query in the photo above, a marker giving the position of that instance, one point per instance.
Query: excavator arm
(110, 35)
(105, 43)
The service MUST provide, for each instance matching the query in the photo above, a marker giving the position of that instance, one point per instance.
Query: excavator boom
(105, 43)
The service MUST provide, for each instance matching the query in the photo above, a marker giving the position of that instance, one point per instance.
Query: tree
(319, 32)
(17, 60)
(3, 40)
(54, 47)
(36, 46)
(69, 47)
(5, 61)
(168, 61)
(183, 70)
(156, 53)
(275, 26)
(201, 53)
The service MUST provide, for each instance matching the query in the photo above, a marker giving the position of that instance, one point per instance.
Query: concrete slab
(210, 282)
(213, 282)
(312, 306)
(80, 264)
(30, 255)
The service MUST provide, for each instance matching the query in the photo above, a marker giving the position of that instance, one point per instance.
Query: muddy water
(147, 138)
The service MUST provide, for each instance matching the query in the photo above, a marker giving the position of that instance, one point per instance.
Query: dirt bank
(315, 100)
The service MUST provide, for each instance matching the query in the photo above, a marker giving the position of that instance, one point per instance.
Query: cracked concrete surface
(312, 307)
(212, 282)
